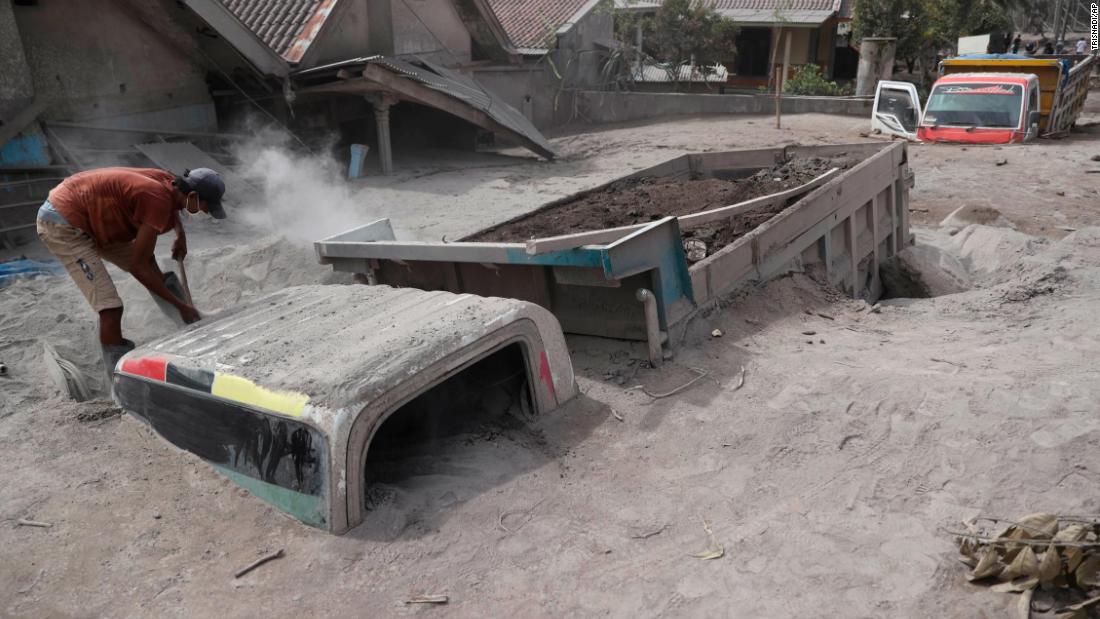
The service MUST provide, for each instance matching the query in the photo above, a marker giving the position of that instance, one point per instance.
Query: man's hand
(189, 314)
(179, 248)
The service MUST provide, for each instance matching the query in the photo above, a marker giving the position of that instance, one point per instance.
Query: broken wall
(432, 29)
(97, 62)
(535, 88)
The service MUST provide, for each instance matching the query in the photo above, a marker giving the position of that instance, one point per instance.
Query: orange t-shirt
(110, 204)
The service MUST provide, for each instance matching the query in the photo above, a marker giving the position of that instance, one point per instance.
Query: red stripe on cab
(149, 367)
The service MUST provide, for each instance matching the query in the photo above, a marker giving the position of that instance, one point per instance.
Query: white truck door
(1032, 113)
(897, 109)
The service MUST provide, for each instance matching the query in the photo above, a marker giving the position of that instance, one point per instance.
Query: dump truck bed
(1063, 82)
(283, 395)
(842, 223)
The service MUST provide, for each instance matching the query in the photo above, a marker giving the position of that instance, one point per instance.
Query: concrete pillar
(876, 62)
(380, 27)
(382, 104)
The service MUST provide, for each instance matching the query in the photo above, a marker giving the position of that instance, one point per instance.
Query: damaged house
(808, 31)
(176, 80)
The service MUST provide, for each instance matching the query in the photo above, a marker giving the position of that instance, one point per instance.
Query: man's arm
(143, 268)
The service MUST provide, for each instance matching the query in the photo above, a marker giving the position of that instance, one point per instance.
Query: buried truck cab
(284, 395)
(982, 108)
(987, 99)
(970, 108)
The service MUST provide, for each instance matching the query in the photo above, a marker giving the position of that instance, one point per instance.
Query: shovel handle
(183, 280)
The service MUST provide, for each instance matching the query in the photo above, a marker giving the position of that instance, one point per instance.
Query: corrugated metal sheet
(781, 5)
(795, 12)
(458, 86)
(800, 17)
(656, 73)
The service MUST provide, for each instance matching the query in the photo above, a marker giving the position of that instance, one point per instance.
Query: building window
(753, 51)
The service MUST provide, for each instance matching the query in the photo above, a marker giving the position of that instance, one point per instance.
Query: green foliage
(807, 80)
(906, 20)
(680, 31)
(918, 24)
(922, 27)
(951, 19)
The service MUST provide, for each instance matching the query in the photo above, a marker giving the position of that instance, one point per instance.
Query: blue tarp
(15, 270)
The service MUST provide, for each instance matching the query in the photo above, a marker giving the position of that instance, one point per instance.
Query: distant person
(1082, 47)
(1016, 45)
(1048, 49)
(1030, 49)
(1060, 48)
(116, 214)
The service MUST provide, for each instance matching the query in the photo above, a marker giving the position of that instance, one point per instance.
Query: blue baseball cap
(210, 187)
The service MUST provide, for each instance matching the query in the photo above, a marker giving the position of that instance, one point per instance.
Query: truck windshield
(977, 105)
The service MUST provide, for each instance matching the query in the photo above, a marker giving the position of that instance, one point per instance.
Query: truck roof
(341, 346)
(1015, 78)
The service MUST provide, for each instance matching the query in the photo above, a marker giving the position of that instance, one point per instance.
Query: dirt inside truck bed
(640, 200)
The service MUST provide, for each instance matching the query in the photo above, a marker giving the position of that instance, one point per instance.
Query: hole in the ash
(424, 439)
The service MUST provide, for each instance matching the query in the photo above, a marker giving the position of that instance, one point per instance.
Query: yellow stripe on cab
(244, 391)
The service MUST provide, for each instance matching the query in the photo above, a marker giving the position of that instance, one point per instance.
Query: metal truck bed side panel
(591, 288)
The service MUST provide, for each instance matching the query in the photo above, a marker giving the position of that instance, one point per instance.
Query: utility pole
(1057, 19)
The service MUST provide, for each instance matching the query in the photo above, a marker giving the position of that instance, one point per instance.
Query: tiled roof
(530, 24)
(782, 5)
(277, 22)
(752, 5)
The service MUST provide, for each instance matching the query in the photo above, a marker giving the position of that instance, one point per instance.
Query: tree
(905, 20)
(681, 31)
(924, 27)
(952, 19)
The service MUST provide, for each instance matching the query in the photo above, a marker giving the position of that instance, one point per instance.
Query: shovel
(183, 279)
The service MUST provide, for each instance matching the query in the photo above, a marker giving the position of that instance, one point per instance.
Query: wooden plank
(420, 251)
(378, 230)
(858, 185)
(892, 212)
(687, 222)
(727, 268)
(572, 241)
(354, 86)
(875, 238)
(827, 251)
(695, 220)
(852, 241)
(700, 287)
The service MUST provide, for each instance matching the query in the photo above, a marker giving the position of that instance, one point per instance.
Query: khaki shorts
(84, 261)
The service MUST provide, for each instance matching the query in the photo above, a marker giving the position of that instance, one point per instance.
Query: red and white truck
(987, 99)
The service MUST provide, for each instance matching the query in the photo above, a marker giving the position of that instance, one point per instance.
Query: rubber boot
(111, 355)
(176, 288)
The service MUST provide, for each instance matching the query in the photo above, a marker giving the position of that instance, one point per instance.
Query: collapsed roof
(424, 82)
(270, 35)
